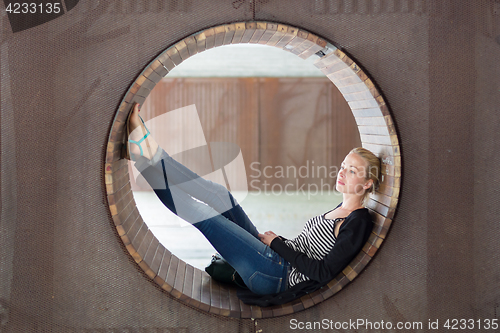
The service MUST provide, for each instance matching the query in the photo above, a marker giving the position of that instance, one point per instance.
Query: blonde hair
(373, 169)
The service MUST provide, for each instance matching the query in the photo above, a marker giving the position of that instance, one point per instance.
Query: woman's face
(351, 178)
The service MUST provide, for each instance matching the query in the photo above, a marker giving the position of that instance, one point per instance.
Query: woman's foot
(140, 141)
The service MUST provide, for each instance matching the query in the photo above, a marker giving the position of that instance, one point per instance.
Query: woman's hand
(267, 237)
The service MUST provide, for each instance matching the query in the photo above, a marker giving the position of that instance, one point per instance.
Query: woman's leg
(175, 177)
(262, 269)
(167, 176)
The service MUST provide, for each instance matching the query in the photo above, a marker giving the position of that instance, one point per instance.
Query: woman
(275, 270)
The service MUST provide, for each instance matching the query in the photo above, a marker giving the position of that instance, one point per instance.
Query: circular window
(191, 285)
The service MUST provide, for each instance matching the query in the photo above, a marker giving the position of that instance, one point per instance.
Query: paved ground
(285, 214)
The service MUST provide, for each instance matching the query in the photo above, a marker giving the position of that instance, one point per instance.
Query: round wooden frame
(193, 286)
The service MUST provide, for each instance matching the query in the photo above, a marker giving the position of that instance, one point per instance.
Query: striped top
(316, 240)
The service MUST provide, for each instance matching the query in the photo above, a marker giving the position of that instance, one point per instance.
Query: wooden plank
(141, 79)
(340, 282)
(151, 252)
(380, 139)
(267, 312)
(361, 95)
(182, 49)
(240, 29)
(191, 45)
(143, 247)
(276, 37)
(214, 297)
(381, 208)
(122, 202)
(374, 240)
(171, 274)
(117, 181)
(287, 308)
(152, 76)
(158, 67)
(326, 292)
(313, 49)
(132, 232)
(161, 277)
(391, 170)
(343, 72)
(201, 42)
(205, 292)
(361, 120)
(268, 33)
(210, 38)
(115, 198)
(331, 59)
(256, 312)
(317, 297)
(334, 286)
(157, 260)
(295, 45)
(143, 92)
(370, 249)
(146, 269)
(135, 88)
(378, 219)
(219, 33)
(360, 262)
(319, 45)
(382, 230)
(179, 279)
(382, 149)
(138, 99)
(346, 81)
(234, 304)
(390, 181)
(377, 130)
(304, 45)
(278, 311)
(249, 31)
(225, 308)
(307, 301)
(166, 61)
(297, 305)
(363, 104)
(174, 55)
(138, 240)
(114, 156)
(230, 29)
(187, 287)
(127, 221)
(196, 289)
(259, 31)
(349, 273)
(354, 88)
(388, 190)
(310, 41)
(289, 34)
(390, 160)
(245, 310)
(384, 199)
(116, 136)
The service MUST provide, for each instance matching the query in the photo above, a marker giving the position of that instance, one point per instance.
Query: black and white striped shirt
(316, 240)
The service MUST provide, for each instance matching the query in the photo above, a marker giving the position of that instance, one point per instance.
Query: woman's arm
(353, 234)
(269, 236)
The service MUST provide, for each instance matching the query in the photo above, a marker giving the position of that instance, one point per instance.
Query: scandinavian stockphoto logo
(28, 14)
(180, 134)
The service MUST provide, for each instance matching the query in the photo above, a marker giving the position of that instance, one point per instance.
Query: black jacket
(353, 234)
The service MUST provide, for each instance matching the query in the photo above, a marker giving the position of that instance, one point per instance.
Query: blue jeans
(212, 209)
